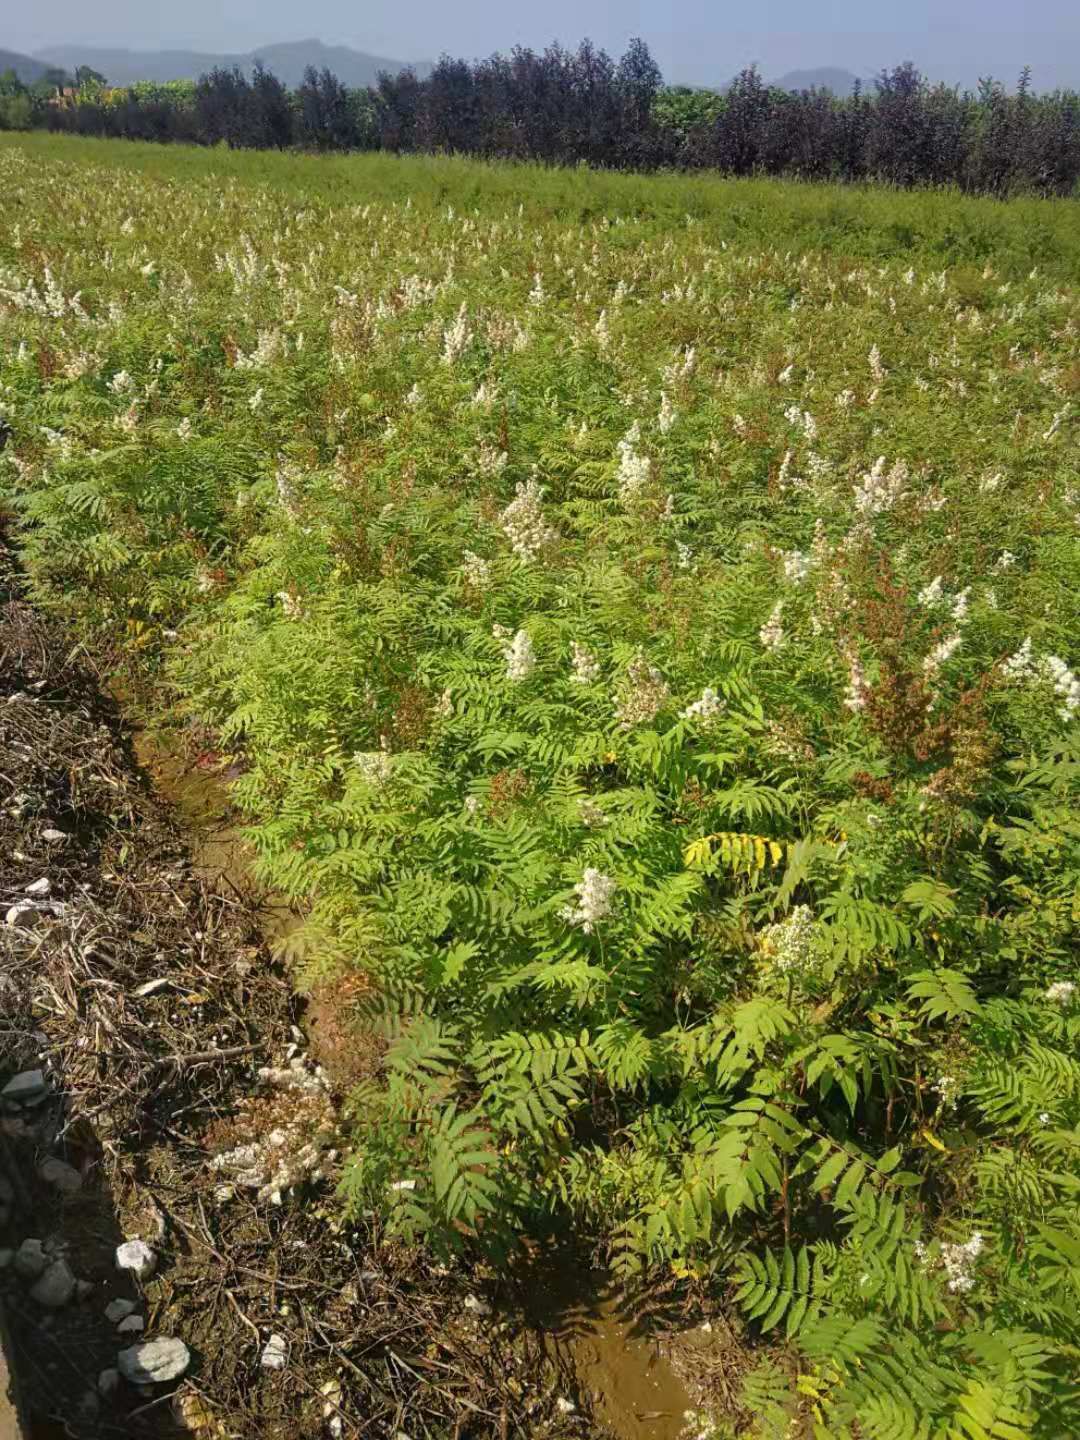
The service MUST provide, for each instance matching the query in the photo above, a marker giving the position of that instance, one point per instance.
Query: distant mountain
(288, 62)
(825, 77)
(27, 69)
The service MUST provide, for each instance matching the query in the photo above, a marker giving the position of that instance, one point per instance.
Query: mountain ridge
(26, 67)
(287, 59)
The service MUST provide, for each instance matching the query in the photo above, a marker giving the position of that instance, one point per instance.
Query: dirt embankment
(165, 1036)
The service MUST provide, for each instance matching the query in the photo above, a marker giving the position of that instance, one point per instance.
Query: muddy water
(580, 1313)
(586, 1321)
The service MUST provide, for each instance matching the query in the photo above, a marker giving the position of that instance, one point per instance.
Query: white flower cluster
(948, 1087)
(880, 489)
(1025, 667)
(771, 633)
(121, 383)
(376, 766)
(490, 461)
(644, 695)
(517, 651)
(485, 396)
(268, 348)
(959, 1262)
(707, 709)
(477, 570)
(796, 565)
(1061, 992)
(586, 666)
(877, 369)
(857, 692)
(523, 522)
(790, 942)
(942, 652)
(456, 337)
(634, 469)
(595, 892)
(802, 418)
(931, 596)
(668, 415)
(682, 367)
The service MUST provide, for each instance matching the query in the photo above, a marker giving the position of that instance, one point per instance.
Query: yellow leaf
(932, 1140)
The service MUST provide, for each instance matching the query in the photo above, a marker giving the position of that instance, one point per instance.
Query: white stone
(136, 1256)
(275, 1353)
(131, 1325)
(39, 888)
(53, 837)
(56, 1286)
(60, 1175)
(118, 1310)
(107, 1381)
(154, 1361)
(30, 1259)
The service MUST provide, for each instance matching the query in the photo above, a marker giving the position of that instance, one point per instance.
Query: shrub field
(647, 630)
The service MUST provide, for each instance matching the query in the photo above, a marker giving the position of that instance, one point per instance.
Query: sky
(695, 41)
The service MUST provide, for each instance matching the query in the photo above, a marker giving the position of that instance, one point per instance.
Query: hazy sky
(698, 41)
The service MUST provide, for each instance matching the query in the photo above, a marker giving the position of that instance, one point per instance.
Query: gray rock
(6, 1257)
(118, 1310)
(60, 1175)
(152, 1362)
(26, 1088)
(56, 1286)
(137, 1257)
(30, 1259)
(133, 1325)
(107, 1381)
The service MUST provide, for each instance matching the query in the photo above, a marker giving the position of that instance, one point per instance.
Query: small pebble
(107, 1381)
(131, 1325)
(275, 1353)
(119, 1309)
(153, 1361)
(136, 1256)
(39, 888)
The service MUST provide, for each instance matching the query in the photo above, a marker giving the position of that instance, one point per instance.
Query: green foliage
(743, 938)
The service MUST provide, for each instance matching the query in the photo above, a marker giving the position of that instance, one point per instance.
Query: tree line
(581, 106)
